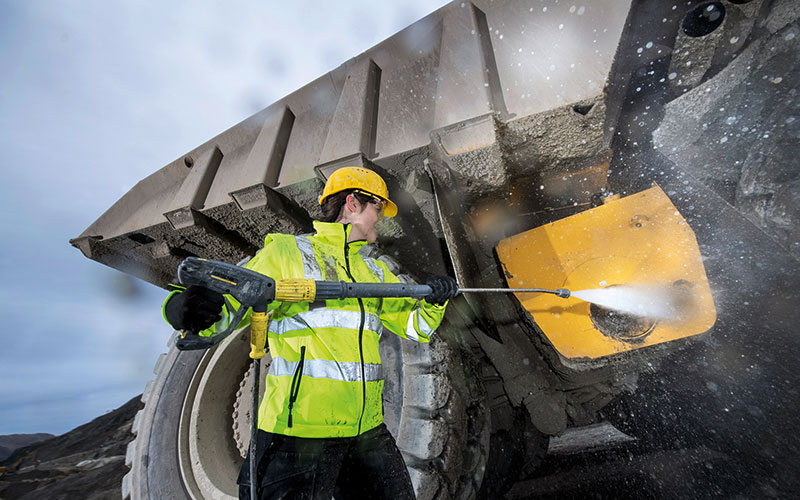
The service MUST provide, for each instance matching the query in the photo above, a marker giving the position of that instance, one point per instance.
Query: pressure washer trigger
(189, 341)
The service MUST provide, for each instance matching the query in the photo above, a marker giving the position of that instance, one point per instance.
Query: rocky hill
(87, 462)
(11, 442)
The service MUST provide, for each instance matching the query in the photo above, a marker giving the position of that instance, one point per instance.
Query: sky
(95, 96)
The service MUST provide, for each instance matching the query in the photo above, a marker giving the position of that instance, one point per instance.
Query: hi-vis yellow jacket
(326, 378)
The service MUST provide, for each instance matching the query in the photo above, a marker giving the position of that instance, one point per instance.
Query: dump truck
(526, 143)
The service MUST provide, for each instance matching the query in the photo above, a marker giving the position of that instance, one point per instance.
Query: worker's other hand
(444, 288)
(195, 309)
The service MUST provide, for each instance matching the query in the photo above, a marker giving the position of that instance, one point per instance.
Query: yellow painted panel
(639, 240)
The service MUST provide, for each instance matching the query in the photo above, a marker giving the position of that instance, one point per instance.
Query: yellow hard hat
(361, 179)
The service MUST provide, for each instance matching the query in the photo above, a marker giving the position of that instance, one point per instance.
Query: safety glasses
(374, 200)
(377, 201)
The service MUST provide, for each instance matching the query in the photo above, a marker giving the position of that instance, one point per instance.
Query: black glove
(195, 309)
(444, 288)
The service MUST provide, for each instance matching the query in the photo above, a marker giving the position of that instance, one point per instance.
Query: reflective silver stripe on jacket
(411, 332)
(323, 368)
(373, 266)
(310, 267)
(325, 318)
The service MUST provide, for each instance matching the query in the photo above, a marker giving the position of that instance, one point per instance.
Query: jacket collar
(336, 233)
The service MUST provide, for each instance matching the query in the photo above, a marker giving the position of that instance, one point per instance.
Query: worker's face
(364, 217)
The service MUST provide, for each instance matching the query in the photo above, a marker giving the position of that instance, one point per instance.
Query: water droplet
(561, 26)
(672, 75)
(649, 45)
(733, 39)
(777, 80)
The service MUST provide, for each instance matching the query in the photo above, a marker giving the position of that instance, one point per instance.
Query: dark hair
(332, 208)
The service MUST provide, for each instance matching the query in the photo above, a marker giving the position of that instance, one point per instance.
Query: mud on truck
(526, 144)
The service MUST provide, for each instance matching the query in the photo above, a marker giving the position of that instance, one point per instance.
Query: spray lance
(256, 291)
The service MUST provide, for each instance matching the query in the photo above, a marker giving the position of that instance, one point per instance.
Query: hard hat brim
(390, 210)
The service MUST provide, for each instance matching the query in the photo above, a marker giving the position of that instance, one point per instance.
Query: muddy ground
(598, 462)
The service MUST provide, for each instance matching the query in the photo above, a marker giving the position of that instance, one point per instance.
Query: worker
(320, 422)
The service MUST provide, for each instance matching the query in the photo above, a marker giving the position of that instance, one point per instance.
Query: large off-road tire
(192, 431)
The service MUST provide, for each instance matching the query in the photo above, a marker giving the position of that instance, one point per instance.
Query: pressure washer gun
(255, 290)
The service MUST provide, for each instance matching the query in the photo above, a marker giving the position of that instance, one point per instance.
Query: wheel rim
(208, 455)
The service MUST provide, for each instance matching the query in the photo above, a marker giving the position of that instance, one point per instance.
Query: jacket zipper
(294, 389)
(360, 333)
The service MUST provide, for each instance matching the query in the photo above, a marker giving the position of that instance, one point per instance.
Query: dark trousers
(365, 466)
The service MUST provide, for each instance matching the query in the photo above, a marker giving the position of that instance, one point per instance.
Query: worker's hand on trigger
(444, 288)
(195, 309)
